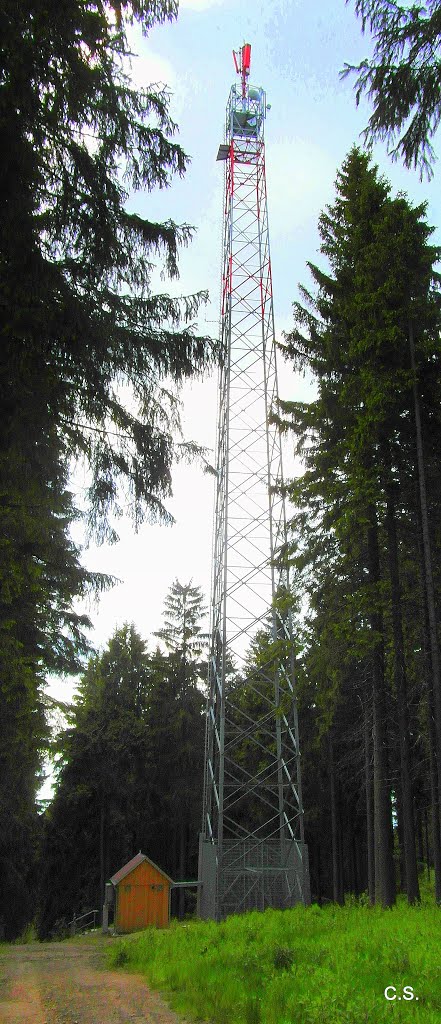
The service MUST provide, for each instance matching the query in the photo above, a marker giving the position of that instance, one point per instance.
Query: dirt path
(64, 983)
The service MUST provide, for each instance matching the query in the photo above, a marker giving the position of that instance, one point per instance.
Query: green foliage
(336, 964)
(403, 77)
(120, 956)
(99, 815)
(129, 766)
(283, 957)
(182, 630)
(96, 820)
(349, 334)
(90, 359)
(28, 935)
(40, 574)
(357, 440)
(76, 264)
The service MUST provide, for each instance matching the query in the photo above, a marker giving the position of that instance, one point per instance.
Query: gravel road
(67, 983)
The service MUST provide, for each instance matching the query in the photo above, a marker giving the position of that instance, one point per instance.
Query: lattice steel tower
(252, 852)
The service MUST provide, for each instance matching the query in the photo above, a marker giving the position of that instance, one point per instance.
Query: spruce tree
(403, 78)
(129, 775)
(184, 673)
(79, 318)
(182, 630)
(40, 632)
(359, 439)
(98, 818)
(91, 359)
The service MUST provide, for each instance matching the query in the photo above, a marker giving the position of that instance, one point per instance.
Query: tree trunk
(428, 574)
(334, 836)
(419, 835)
(434, 796)
(336, 872)
(426, 834)
(102, 853)
(319, 873)
(431, 735)
(370, 841)
(182, 868)
(400, 836)
(355, 880)
(408, 824)
(385, 890)
(341, 862)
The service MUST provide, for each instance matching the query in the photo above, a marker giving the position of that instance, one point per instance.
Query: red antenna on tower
(242, 63)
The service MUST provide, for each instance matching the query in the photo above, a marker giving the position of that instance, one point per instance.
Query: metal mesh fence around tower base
(255, 876)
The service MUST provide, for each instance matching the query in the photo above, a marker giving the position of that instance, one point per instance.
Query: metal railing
(75, 926)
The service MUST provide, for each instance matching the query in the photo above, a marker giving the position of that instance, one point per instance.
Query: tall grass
(300, 966)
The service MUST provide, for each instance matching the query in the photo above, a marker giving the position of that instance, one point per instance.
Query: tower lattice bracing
(252, 851)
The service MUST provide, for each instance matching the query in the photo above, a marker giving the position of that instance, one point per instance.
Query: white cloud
(145, 67)
(300, 177)
(198, 5)
(148, 68)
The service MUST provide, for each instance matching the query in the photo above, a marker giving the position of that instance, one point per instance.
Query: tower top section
(246, 107)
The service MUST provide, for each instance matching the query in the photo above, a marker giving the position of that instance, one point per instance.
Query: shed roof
(132, 864)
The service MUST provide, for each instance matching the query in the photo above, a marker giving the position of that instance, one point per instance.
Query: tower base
(253, 876)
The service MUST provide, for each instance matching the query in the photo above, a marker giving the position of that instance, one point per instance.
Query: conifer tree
(91, 360)
(129, 777)
(403, 78)
(99, 816)
(359, 440)
(184, 674)
(79, 315)
(40, 575)
(182, 630)
(130, 767)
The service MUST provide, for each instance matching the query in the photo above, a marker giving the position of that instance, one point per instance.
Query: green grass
(300, 966)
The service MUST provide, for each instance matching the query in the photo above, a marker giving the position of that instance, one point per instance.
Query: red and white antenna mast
(242, 63)
(252, 849)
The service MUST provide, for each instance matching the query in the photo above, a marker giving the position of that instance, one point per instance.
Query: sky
(297, 50)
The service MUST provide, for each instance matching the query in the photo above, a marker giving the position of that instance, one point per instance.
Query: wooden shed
(142, 895)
